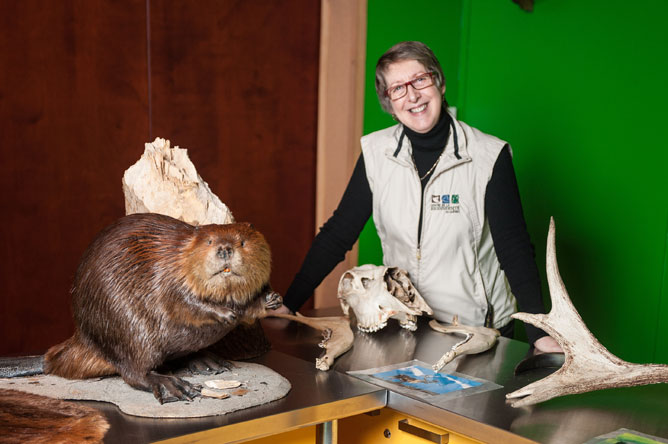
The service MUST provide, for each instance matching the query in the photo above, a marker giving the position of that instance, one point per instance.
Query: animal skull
(377, 293)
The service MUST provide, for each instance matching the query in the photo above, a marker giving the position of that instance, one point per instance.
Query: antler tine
(558, 293)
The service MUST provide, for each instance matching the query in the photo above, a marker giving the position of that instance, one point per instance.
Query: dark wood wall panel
(73, 91)
(234, 82)
(237, 84)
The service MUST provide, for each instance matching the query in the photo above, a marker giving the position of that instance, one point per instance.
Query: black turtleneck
(426, 152)
(427, 147)
(502, 206)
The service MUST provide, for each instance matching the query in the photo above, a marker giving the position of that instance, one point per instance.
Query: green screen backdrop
(579, 90)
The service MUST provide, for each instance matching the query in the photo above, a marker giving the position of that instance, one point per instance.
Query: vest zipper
(418, 253)
(419, 233)
(428, 177)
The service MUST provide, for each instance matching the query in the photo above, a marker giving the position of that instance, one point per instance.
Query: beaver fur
(26, 418)
(151, 288)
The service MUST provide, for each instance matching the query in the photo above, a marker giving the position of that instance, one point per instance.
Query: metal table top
(318, 396)
(487, 416)
(315, 397)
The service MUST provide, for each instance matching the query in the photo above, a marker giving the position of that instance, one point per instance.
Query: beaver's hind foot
(207, 363)
(171, 388)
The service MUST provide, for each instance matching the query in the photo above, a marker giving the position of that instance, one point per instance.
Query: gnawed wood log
(337, 336)
(165, 181)
(588, 365)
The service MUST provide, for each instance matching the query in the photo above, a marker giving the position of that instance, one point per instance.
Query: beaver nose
(225, 252)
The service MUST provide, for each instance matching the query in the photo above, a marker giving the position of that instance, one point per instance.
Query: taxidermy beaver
(151, 288)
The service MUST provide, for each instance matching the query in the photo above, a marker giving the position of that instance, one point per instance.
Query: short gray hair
(417, 51)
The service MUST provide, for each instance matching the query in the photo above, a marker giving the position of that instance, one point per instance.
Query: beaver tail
(72, 359)
(21, 366)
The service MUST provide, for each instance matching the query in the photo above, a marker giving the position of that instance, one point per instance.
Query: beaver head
(230, 262)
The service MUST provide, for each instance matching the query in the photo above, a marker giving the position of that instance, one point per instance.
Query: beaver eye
(243, 242)
(209, 242)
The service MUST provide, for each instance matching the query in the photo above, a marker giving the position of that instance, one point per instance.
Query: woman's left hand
(547, 344)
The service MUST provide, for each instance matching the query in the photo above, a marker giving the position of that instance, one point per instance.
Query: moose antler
(588, 365)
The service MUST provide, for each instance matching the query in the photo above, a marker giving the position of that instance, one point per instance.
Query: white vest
(454, 266)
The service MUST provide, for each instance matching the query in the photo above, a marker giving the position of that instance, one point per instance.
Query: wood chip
(222, 384)
(214, 393)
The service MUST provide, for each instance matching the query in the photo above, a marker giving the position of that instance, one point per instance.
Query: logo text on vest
(445, 202)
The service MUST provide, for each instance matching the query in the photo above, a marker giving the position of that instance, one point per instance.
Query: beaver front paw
(272, 300)
(226, 316)
(170, 388)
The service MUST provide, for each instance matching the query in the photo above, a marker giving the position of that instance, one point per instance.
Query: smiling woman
(410, 85)
(415, 99)
(444, 201)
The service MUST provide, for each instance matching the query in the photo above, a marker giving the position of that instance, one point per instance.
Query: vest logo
(445, 202)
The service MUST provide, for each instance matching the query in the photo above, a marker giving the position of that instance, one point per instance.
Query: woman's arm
(336, 237)
(512, 243)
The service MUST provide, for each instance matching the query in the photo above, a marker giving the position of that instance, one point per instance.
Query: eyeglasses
(422, 81)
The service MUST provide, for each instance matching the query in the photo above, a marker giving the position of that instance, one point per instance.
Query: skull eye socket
(366, 282)
(346, 282)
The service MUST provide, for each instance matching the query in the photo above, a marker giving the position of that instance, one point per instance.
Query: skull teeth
(411, 326)
(371, 328)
